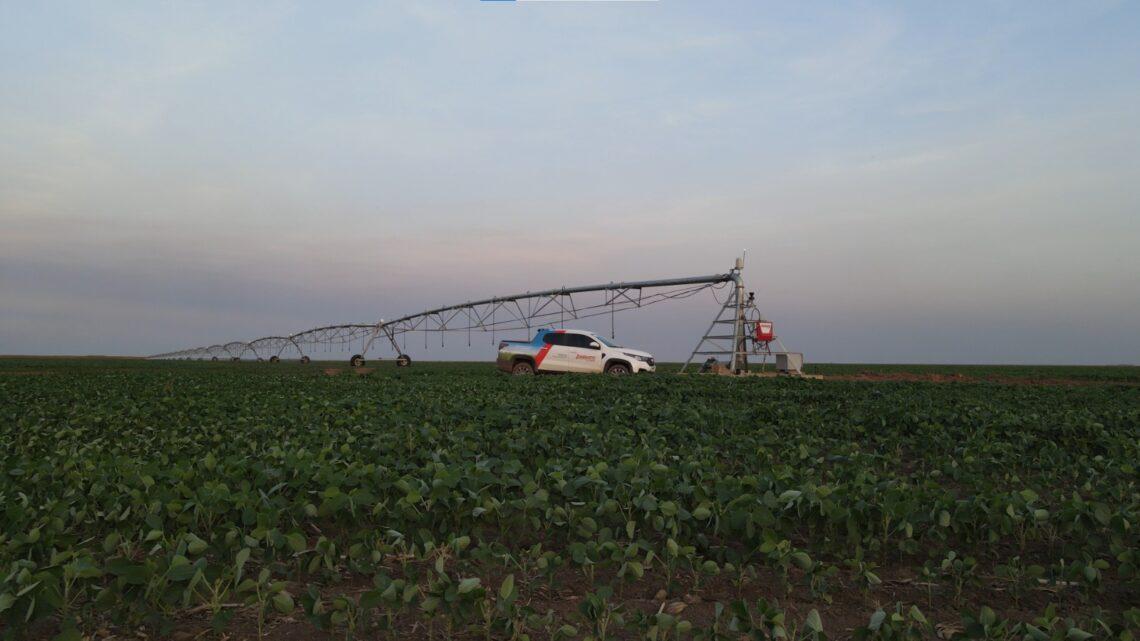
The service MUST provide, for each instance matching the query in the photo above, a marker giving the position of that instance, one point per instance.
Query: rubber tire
(305, 360)
(522, 368)
(274, 359)
(234, 359)
(403, 360)
(618, 369)
(356, 361)
(213, 358)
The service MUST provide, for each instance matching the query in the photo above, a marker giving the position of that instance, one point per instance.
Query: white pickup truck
(571, 350)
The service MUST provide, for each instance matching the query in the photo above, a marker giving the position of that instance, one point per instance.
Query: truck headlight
(643, 359)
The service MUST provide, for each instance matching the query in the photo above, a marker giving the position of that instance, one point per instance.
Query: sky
(913, 182)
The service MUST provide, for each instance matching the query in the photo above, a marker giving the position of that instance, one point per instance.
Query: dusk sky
(914, 182)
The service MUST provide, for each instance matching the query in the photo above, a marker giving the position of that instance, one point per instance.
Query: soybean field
(193, 500)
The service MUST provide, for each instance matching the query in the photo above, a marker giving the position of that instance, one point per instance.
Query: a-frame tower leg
(727, 335)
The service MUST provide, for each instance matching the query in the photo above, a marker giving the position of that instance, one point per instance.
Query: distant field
(1121, 373)
(1106, 373)
(447, 500)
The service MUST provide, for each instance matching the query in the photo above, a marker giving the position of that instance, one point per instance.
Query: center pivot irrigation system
(736, 332)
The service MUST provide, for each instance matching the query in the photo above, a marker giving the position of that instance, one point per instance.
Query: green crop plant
(1088, 572)
(674, 555)
(760, 620)
(784, 557)
(601, 614)
(960, 571)
(265, 594)
(863, 571)
(898, 625)
(1018, 577)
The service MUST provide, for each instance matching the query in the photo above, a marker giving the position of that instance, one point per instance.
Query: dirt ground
(845, 607)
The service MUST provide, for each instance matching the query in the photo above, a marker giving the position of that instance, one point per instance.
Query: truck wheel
(403, 360)
(356, 361)
(618, 369)
(304, 360)
(522, 368)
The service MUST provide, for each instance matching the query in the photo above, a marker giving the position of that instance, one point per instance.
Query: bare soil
(845, 607)
(359, 371)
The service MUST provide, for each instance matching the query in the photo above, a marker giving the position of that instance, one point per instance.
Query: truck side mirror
(595, 345)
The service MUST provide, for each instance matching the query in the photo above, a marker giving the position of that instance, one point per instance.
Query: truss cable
(716, 298)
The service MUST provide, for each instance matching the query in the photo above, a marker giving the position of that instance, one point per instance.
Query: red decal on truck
(538, 358)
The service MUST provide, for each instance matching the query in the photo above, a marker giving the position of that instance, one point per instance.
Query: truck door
(585, 358)
(555, 355)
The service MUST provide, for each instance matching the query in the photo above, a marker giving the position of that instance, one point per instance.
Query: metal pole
(739, 358)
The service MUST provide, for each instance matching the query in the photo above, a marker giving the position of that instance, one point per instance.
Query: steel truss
(528, 310)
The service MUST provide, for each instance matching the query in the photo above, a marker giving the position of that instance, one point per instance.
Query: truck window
(580, 340)
(554, 339)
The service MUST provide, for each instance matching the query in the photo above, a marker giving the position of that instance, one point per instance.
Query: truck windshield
(606, 342)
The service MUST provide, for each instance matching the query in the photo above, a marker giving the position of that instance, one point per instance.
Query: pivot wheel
(274, 359)
(356, 361)
(522, 368)
(618, 369)
(234, 359)
(304, 360)
(403, 360)
(213, 358)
